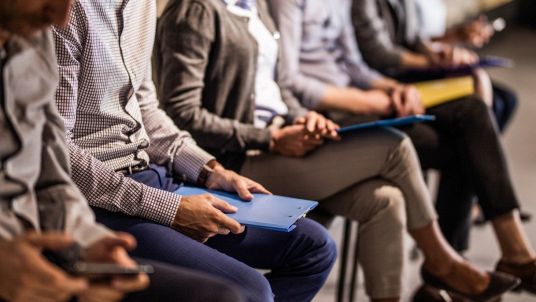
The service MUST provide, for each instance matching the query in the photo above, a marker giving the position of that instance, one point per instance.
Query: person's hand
(294, 141)
(476, 33)
(379, 102)
(227, 180)
(447, 56)
(28, 276)
(407, 100)
(113, 250)
(316, 123)
(202, 217)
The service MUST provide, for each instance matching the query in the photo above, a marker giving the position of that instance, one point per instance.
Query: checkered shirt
(110, 109)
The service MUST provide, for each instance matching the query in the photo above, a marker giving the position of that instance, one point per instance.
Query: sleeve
(101, 185)
(288, 16)
(185, 44)
(361, 74)
(55, 183)
(373, 36)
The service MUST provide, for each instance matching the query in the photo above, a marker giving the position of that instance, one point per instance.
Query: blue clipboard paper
(394, 122)
(272, 212)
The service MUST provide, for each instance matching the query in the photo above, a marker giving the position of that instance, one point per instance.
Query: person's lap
(301, 258)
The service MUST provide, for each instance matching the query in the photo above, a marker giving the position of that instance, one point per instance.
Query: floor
(520, 144)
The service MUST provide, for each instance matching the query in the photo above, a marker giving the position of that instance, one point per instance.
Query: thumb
(120, 239)
(52, 241)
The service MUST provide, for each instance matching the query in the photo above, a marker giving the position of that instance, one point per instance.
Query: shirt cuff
(159, 206)
(189, 161)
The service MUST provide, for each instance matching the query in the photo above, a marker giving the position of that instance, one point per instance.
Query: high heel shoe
(526, 272)
(499, 284)
(427, 293)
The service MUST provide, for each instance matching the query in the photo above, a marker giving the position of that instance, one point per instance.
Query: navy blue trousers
(171, 283)
(298, 262)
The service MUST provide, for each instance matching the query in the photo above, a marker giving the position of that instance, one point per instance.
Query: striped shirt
(108, 101)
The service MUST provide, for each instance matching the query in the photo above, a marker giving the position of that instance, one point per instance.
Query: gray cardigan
(206, 62)
(384, 29)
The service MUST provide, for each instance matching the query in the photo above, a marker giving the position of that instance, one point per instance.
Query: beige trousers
(373, 177)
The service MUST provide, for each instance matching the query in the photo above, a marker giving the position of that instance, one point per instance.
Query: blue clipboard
(272, 212)
(394, 122)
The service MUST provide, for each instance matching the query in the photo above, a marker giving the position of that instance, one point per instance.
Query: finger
(300, 121)
(222, 205)
(127, 285)
(256, 187)
(332, 126)
(396, 99)
(52, 241)
(321, 124)
(229, 223)
(119, 240)
(311, 122)
(241, 187)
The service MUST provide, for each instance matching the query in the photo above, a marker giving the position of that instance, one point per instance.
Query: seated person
(391, 36)
(40, 207)
(218, 78)
(321, 58)
(128, 159)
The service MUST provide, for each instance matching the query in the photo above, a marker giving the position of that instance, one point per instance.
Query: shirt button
(144, 143)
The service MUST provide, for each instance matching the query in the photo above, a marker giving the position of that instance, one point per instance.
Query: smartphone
(110, 269)
(69, 260)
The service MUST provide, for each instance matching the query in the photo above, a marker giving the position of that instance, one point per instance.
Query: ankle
(517, 259)
(438, 268)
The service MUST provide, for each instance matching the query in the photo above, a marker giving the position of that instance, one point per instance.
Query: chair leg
(353, 281)
(343, 260)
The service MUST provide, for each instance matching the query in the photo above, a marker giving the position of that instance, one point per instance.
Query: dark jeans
(170, 283)
(299, 261)
(463, 144)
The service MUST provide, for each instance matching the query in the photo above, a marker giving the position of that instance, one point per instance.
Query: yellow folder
(437, 92)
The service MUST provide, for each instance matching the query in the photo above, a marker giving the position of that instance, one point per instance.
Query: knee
(474, 108)
(227, 293)
(391, 205)
(257, 288)
(319, 246)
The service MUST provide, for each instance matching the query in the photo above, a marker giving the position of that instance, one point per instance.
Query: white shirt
(268, 99)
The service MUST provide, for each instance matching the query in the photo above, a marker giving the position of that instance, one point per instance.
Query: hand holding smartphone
(69, 260)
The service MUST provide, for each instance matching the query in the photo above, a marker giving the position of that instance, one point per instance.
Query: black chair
(342, 289)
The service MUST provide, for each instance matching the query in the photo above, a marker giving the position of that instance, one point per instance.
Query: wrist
(206, 172)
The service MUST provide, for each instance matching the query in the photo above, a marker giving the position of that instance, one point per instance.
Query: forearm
(349, 99)
(105, 188)
(411, 59)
